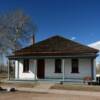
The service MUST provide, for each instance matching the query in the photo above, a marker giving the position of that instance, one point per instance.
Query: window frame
(58, 66)
(75, 66)
(26, 66)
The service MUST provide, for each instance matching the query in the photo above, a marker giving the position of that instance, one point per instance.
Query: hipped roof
(54, 46)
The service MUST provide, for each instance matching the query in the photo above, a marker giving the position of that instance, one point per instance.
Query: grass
(76, 87)
(26, 85)
(3, 75)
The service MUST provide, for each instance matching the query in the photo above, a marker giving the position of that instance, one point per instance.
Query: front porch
(44, 70)
(75, 81)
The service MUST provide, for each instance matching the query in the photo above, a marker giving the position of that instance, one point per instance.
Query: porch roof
(54, 56)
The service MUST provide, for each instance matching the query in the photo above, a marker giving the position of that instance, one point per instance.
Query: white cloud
(73, 38)
(95, 45)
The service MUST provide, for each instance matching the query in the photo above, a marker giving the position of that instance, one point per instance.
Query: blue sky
(76, 19)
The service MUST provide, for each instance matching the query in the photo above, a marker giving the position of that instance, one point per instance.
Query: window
(26, 65)
(58, 66)
(75, 68)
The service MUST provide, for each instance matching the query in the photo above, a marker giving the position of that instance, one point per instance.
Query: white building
(55, 58)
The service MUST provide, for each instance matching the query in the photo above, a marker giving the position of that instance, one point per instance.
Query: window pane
(75, 66)
(26, 65)
(58, 66)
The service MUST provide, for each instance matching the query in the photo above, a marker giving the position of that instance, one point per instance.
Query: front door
(40, 68)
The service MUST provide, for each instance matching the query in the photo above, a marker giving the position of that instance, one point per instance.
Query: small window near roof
(57, 65)
(26, 65)
(75, 66)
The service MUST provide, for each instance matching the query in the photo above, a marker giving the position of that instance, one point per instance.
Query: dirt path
(77, 93)
(35, 96)
(45, 86)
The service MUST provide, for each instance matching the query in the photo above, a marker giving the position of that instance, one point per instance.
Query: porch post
(35, 70)
(94, 65)
(93, 69)
(63, 69)
(8, 69)
(18, 70)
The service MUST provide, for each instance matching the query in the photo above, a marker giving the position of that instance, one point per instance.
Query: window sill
(26, 72)
(75, 72)
(57, 72)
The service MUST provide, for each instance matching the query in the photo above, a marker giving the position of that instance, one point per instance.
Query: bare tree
(16, 29)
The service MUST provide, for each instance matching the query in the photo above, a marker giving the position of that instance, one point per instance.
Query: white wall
(84, 69)
(19, 74)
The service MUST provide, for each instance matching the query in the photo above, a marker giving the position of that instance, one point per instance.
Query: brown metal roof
(54, 46)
